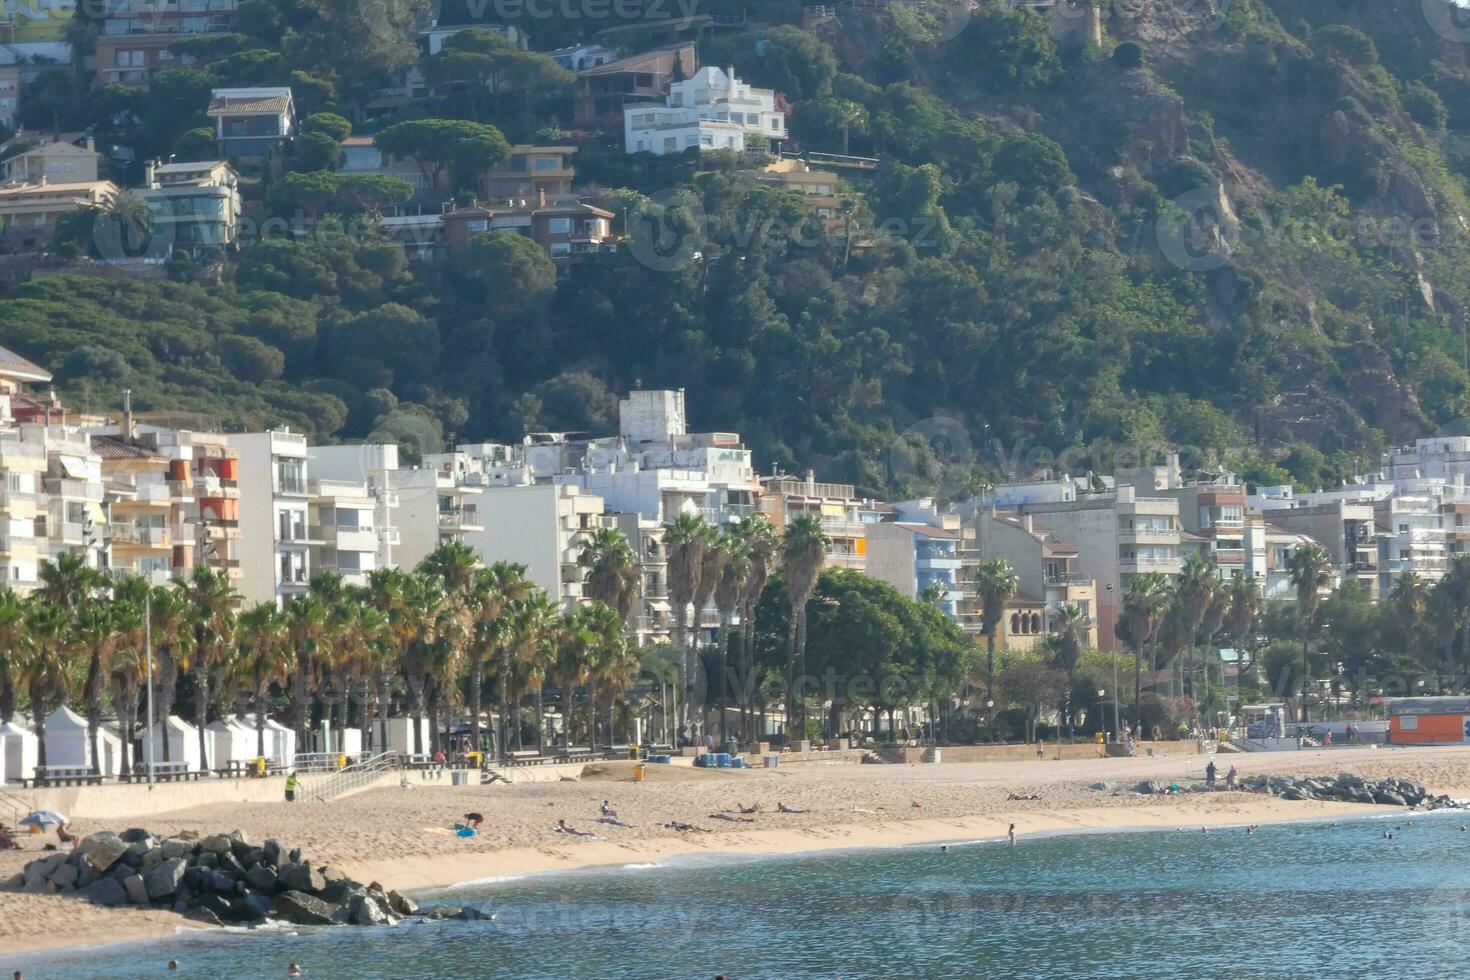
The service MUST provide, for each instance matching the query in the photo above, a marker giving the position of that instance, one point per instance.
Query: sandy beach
(400, 836)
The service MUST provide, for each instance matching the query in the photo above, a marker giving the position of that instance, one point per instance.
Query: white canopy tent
(400, 735)
(19, 749)
(229, 742)
(280, 741)
(67, 743)
(183, 743)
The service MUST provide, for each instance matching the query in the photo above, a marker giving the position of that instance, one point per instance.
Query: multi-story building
(542, 526)
(30, 213)
(437, 503)
(353, 498)
(530, 173)
(714, 110)
(1119, 533)
(9, 89)
(845, 517)
(195, 207)
(1046, 576)
(1344, 525)
(74, 518)
(275, 543)
(818, 190)
(137, 36)
(206, 471)
(251, 123)
(144, 507)
(919, 560)
(580, 57)
(69, 159)
(605, 90)
(564, 229)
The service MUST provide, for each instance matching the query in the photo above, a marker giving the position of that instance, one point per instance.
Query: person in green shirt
(292, 785)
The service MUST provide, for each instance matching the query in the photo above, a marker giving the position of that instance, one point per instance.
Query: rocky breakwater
(1347, 788)
(222, 879)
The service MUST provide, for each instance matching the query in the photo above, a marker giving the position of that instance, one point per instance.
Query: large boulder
(301, 878)
(262, 879)
(135, 835)
(304, 909)
(104, 892)
(136, 889)
(402, 904)
(341, 891)
(64, 876)
(271, 850)
(102, 851)
(176, 847)
(217, 844)
(217, 904)
(365, 910)
(164, 880)
(250, 907)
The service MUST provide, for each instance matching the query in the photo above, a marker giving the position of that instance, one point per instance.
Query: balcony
(845, 559)
(211, 486)
(459, 521)
(144, 537)
(346, 537)
(10, 498)
(1132, 565)
(68, 489)
(1147, 536)
(153, 576)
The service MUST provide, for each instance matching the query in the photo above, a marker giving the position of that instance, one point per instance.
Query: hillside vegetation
(1239, 228)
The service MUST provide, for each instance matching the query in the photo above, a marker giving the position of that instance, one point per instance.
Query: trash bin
(639, 772)
(476, 760)
(773, 761)
(459, 777)
(257, 768)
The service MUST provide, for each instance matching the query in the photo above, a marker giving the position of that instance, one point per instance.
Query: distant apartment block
(714, 110)
(604, 91)
(251, 123)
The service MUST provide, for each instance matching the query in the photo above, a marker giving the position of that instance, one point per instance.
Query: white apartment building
(542, 526)
(354, 509)
(714, 110)
(203, 472)
(437, 503)
(275, 492)
(75, 519)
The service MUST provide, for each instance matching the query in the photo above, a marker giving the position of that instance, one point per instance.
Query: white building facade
(714, 110)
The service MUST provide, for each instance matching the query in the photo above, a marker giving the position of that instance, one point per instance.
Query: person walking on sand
(1210, 774)
(1230, 778)
(1011, 834)
(1040, 749)
(293, 784)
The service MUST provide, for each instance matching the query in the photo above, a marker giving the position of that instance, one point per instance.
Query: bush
(1128, 55)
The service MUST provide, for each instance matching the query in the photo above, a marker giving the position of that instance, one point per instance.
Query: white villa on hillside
(712, 110)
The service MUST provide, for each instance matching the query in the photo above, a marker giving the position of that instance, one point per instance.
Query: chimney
(127, 419)
(541, 197)
(811, 483)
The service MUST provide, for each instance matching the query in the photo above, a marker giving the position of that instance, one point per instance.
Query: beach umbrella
(43, 818)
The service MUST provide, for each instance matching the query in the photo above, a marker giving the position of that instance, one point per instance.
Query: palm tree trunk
(747, 673)
(39, 708)
(127, 713)
(7, 693)
(416, 710)
(201, 713)
(434, 725)
(724, 674)
(384, 696)
(566, 720)
(540, 723)
(260, 706)
(94, 709)
(1137, 688)
(681, 639)
(795, 644)
(476, 678)
(502, 737)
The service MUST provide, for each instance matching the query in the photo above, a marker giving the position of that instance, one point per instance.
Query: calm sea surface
(1308, 900)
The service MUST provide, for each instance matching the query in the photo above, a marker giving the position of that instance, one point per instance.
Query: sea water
(1303, 900)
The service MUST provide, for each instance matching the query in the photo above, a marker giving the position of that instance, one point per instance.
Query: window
(643, 80)
(560, 248)
(560, 226)
(548, 163)
(478, 224)
(670, 144)
(776, 125)
(291, 476)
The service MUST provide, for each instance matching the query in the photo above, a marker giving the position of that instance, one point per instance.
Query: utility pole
(148, 652)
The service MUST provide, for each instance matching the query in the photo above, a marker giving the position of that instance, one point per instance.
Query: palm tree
(1310, 570)
(93, 633)
(803, 552)
(761, 545)
(1409, 600)
(495, 591)
(1143, 610)
(128, 666)
(711, 567)
(1069, 635)
(388, 590)
(1243, 605)
(574, 651)
(267, 659)
(453, 565)
(614, 664)
(306, 624)
(686, 541)
(68, 582)
(995, 585)
(172, 642)
(536, 618)
(211, 602)
(12, 643)
(47, 669)
(612, 570)
(729, 592)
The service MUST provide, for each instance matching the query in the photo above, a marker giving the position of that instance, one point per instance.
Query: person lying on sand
(685, 828)
(753, 808)
(783, 808)
(613, 820)
(733, 818)
(562, 828)
(1018, 796)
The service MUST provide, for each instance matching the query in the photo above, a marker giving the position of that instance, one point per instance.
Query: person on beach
(1210, 774)
(293, 784)
(605, 809)
(1040, 749)
(66, 836)
(1011, 834)
(293, 970)
(562, 828)
(783, 808)
(732, 817)
(473, 820)
(753, 808)
(1230, 778)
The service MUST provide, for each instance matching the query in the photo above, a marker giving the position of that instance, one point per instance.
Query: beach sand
(400, 837)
